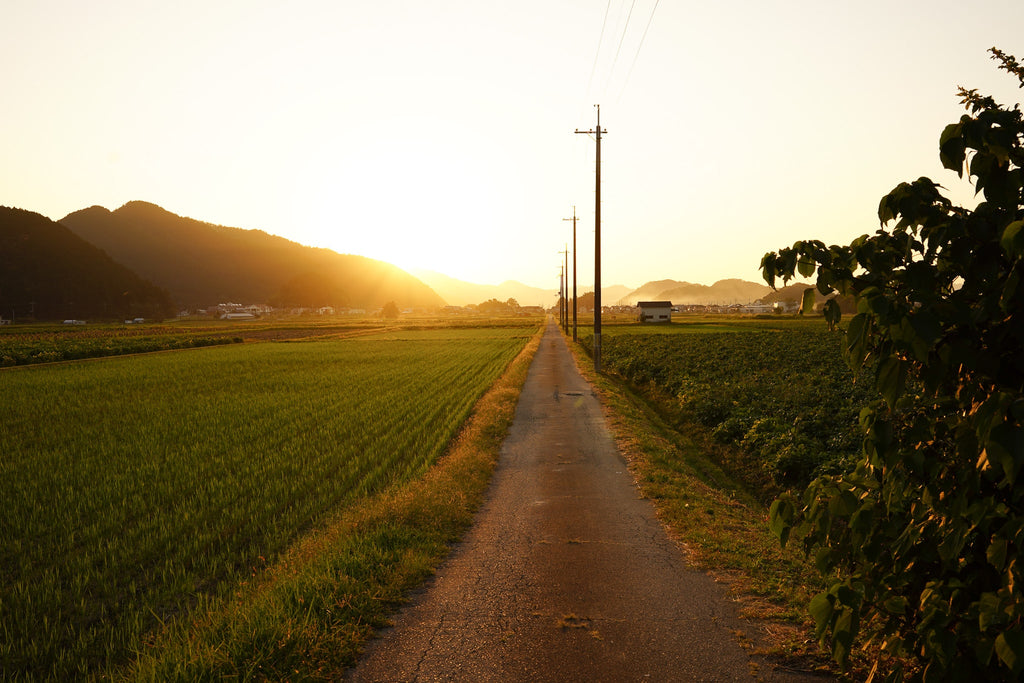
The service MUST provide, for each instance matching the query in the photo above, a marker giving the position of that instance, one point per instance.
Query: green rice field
(136, 487)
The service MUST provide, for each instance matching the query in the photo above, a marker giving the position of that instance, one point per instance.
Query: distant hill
(723, 292)
(612, 294)
(791, 293)
(461, 293)
(609, 295)
(49, 273)
(650, 291)
(794, 294)
(202, 264)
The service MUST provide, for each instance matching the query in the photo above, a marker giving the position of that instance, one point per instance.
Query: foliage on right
(923, 542)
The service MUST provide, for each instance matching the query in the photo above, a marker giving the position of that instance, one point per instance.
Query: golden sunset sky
(438, 134)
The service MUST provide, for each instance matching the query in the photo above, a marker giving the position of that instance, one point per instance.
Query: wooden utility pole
(597, 241)
(565, 270)
(573, 219)
(561, 295)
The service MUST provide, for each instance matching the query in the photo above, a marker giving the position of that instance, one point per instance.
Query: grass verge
(720, 525)
(307, 616)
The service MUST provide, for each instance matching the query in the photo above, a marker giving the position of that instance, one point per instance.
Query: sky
(441, 134)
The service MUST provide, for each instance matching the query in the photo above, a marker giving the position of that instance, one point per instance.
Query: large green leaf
(896, 605)
(1006, 442)
(1010, 650)
(1012, 240)
(807, 304)
(1007, 301)
(821, 610)
(843, 634)
(780, 518)
(857, 339)
(989, 611)
(890, 379)
(996, 553)
(806, 266)
(952, 149)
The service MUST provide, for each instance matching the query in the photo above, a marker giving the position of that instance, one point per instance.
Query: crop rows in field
(27, 348)
(136, 486)
(781, 392)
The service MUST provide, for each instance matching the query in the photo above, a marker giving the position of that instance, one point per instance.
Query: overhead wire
(597, 53)
(622, 39)
(637, 54)
(593, 70)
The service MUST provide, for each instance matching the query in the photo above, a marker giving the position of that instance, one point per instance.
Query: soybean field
(135, 487)
(778, 389)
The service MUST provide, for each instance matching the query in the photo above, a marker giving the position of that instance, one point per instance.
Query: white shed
(655, 311)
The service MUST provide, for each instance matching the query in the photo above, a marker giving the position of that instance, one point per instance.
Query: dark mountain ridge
(49, 273)
(202, 264)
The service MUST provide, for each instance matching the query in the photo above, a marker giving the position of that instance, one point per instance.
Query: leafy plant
(750, 385)
(923, 541)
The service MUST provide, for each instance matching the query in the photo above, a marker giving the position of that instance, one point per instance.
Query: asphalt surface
(566, 575)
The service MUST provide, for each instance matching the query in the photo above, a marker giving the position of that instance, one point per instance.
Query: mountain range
(49, 273)
(461, 293)
(723, 292)
(201, 264)
(143, 261)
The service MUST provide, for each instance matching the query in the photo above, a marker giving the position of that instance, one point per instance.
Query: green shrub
(923, 543)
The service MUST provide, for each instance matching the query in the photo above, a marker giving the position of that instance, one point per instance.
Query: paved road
(566, 575)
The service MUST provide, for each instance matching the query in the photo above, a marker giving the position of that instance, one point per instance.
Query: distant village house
(655, 311)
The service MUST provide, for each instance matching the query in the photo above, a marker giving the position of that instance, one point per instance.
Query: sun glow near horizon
(416, 202)
(441, 135)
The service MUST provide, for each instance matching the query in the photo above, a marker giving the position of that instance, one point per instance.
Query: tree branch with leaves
(923, 543)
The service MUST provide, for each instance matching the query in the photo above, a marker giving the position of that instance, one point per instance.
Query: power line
(622, 39)
(597, 53)
(630, 72)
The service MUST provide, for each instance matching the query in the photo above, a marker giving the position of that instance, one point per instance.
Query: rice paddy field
(136, 487)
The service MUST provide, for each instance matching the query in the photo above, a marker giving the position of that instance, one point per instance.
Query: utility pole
(573, 219)
(561, 295)
(565, 270)
(597, 241)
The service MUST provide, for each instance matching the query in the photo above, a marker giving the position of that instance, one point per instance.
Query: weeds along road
(566, 575)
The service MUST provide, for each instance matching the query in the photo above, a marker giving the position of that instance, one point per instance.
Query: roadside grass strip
(143, 493)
